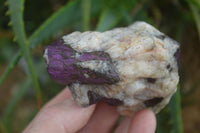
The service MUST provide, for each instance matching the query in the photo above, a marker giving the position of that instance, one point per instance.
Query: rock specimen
(132, 68)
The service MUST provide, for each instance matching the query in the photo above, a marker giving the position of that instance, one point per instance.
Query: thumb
(62, 117)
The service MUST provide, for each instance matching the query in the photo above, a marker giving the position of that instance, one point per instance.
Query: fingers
(143, 122)
(103, 119)
(60, 115)
(124, 125)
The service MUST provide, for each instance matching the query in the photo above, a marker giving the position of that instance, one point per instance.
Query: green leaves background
(85, 15)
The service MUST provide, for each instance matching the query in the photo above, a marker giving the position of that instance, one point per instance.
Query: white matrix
(144, 58)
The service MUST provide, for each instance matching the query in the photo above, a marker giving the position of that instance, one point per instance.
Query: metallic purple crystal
(63, 65)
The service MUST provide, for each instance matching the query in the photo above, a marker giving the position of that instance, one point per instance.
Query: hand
(62, 115)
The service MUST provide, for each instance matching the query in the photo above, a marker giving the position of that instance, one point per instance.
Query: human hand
(62, 115)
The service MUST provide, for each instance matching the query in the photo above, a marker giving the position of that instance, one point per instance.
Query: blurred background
(25, 84)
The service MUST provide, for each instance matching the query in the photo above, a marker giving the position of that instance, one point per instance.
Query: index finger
(64, 94)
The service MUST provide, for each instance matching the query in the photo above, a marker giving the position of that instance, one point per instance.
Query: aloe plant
(83, 15)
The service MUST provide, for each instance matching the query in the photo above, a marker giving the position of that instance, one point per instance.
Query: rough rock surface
(132, 68)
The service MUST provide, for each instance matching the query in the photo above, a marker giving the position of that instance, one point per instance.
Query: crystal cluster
(133, 68)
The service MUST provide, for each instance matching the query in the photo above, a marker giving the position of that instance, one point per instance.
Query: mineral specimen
(132, 68)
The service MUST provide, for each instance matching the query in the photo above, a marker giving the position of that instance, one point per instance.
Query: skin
(62, 115)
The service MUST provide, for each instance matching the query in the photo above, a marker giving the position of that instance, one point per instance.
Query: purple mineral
(65, 65)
